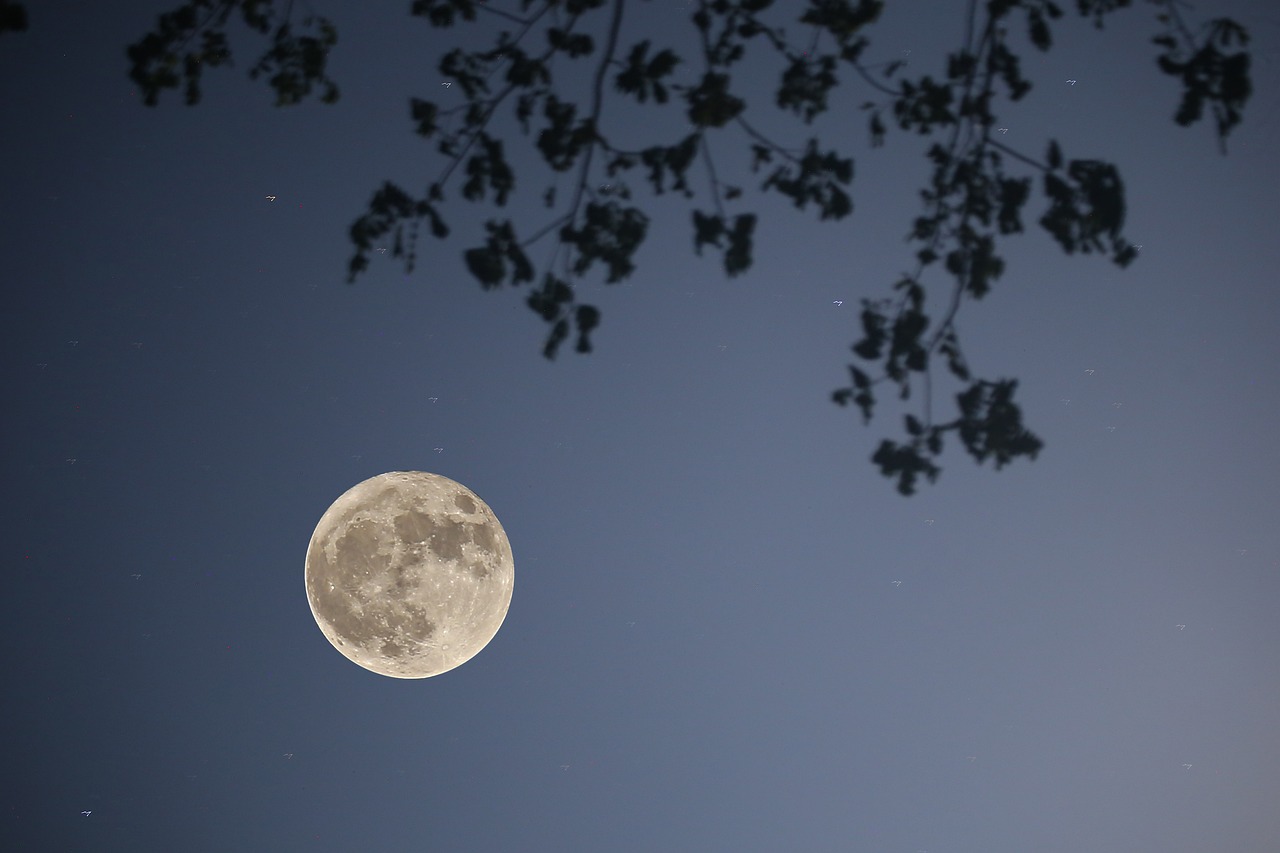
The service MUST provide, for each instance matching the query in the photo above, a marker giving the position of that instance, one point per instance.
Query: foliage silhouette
(13, 16)
(970, 201)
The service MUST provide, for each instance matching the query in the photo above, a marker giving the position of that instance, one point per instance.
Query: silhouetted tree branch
(971, 200)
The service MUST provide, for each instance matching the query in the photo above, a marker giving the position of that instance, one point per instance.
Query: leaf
(760, 155)
(737, 258)
(424, 115)
(706, 229)
(1038, 30)
(486, 266)
(587, 318)
(1013, 195)
(877, 129)
(868, 349)
(559, 332)
(955, 364)
(662, 64)
(865, 402)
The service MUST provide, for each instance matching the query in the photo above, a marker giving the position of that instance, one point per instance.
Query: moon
(409, 574)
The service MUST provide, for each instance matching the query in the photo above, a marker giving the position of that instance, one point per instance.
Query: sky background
(706, 648)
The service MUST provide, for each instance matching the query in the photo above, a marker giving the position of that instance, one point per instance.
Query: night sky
(708, 647)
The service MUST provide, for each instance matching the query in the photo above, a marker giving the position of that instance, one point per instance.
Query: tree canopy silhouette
(972, 199)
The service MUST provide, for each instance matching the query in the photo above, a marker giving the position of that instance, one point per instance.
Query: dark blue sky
(706, 648)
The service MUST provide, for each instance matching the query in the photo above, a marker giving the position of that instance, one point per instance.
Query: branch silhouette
(971, 200)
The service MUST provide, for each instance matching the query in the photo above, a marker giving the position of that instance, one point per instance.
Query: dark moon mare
(409, 574)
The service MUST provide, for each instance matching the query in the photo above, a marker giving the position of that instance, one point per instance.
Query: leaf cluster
(976, 196)
(192, 38)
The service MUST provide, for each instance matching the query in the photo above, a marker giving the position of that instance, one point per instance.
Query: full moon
(409, 574)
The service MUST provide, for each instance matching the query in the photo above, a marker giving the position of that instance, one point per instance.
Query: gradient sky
(707, 648)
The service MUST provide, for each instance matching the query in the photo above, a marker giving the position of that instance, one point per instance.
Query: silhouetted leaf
(1038, 30)
(486, 265)
(587, 318)
(706, 229)
(1054, 155)
(424, 115)
(737, 259)
(559, 332)
(13, 17)
(877, 131)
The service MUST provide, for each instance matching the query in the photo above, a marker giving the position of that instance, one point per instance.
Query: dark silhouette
(971, 199)
(13, 16)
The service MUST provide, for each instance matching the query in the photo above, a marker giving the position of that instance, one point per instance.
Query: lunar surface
(409, 574)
